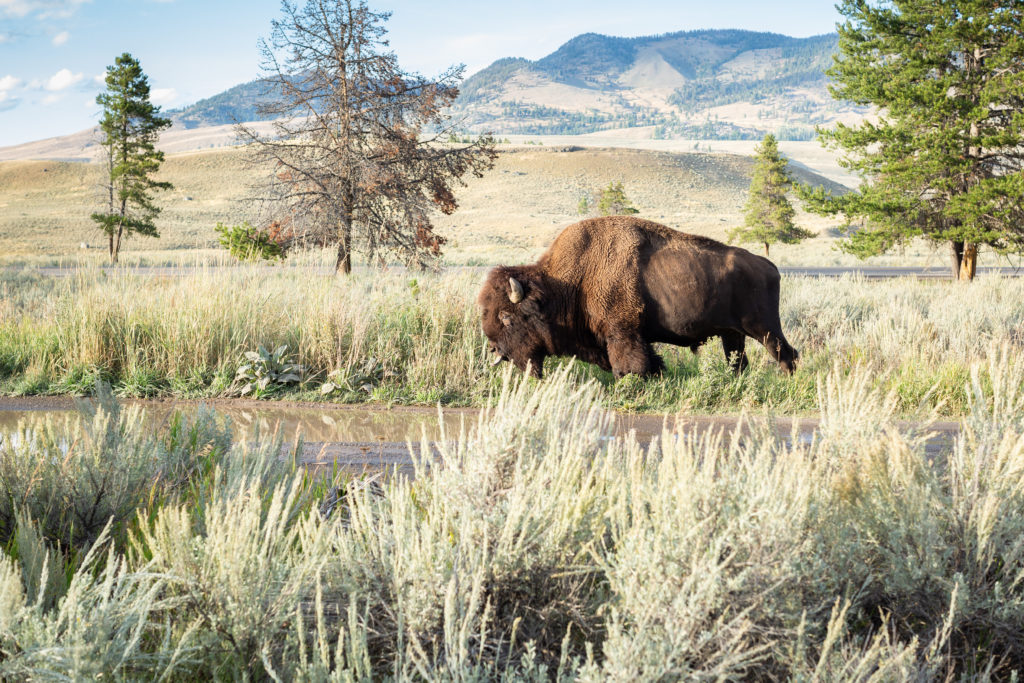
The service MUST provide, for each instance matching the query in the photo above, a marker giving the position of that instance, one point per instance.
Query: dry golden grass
(508, 216)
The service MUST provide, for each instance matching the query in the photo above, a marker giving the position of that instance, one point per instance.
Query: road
(867, 272)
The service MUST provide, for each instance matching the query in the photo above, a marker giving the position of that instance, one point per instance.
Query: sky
(54, 53)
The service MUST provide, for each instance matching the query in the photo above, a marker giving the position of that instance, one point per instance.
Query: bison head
(511, 307)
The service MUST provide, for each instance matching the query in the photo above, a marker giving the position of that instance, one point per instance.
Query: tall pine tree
(768, 215)
(943, 158)
(129, 130)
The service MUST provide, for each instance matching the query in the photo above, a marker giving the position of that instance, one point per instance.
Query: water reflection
(318, 424)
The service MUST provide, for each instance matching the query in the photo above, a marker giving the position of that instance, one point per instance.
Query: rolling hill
(509, 215)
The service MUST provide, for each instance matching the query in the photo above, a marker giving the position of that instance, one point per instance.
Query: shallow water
(372, 437)
(313, 423)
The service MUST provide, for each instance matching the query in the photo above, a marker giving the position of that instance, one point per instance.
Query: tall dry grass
(185, 335)
(534, 546)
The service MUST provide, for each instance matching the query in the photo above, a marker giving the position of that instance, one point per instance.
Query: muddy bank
(371, 438)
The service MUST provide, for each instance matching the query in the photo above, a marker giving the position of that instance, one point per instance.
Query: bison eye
(505, 318)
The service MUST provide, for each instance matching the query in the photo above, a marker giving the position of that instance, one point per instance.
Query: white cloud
(62, 79)
(9, 82)
(162, 95)
(52, 98)
(100, 79)
(43, 8)
(5, 38)
(61, 38)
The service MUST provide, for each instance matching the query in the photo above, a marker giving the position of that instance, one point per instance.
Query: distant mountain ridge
(234, 105)
(684, 84)
(711, 84)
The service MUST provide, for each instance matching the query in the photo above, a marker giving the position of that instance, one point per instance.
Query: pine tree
(943, 158)
(612, 201)
(129, 129)
(362, 152)
(768, 213)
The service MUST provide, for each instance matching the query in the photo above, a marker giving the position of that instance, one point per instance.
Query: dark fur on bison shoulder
(609, 288)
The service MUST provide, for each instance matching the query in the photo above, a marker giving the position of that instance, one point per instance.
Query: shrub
(263, 372)
(247, 243)
(534, 545)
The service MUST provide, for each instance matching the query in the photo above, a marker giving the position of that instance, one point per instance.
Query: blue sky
(53, 53)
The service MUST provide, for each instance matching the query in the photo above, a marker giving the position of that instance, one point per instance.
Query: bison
(609, 288)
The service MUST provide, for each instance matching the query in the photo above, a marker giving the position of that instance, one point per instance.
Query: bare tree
(356, 148)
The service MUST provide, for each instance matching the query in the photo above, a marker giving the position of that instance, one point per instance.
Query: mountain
(234, 105)
(722, 84)
(713, 84)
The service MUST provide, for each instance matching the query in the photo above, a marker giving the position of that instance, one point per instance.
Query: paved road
(885, 273)
(867, 272)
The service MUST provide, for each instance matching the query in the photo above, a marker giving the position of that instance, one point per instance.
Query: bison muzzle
(609, 288)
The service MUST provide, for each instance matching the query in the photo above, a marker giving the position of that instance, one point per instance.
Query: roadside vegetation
(397, 338)
(533, 547)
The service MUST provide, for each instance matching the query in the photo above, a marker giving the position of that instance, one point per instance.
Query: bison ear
(515, 290)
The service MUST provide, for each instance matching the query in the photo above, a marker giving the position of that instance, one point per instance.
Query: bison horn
(515, 294)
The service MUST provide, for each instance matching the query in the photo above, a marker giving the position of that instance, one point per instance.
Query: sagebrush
(533, 545)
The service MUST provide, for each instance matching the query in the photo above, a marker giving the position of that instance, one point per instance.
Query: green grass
(535, 548)
(186, 337)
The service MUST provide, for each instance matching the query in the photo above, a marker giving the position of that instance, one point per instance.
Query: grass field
(536, 547)
(537, 550)
(509, 216)
(395, 338)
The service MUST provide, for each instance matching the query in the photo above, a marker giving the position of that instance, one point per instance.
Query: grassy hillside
(512, 213)
(45, 205)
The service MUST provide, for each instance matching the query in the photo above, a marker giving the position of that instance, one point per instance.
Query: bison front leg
(734, 343)
(535, 365)
(632, 355)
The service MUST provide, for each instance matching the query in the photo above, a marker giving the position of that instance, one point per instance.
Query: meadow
(533, 544)
(403, 338)
(508, 216)
(532, 547)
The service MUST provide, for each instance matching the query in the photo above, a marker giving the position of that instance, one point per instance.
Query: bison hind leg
(733, 344)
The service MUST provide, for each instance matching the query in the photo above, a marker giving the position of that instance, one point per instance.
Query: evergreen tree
(943, 158)
(355, 147)
(768, 213)
(129, 129)
(583, 208)
(612, 201)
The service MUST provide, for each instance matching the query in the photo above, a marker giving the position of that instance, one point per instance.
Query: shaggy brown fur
(608, 288)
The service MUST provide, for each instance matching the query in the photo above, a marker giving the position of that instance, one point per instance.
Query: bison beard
(609, 288)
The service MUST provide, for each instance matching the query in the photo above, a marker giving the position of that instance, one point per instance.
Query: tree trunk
(344, 262)
(766, 250)
(111, 248)
(970, 261)
(957, 252)
(117, 245)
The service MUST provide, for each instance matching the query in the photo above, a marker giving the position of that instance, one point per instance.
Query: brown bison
(608, 288)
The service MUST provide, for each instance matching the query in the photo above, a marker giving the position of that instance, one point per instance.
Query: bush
(247, 243)
(532, 545)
